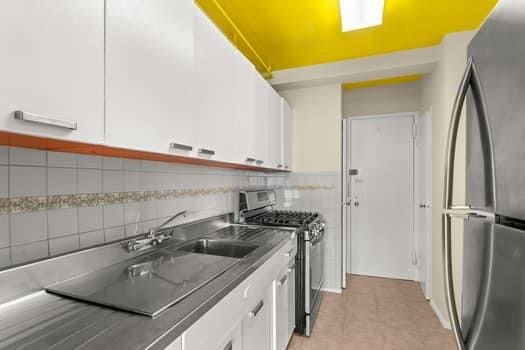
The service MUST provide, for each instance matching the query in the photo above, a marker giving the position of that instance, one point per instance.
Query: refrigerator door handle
(470, 79)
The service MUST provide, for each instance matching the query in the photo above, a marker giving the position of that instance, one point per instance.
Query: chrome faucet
(152, 238)
(154, 230)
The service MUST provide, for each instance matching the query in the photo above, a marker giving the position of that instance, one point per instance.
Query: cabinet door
(149, 74)
(274, 130)
(287, 132)
(261, 125)
(256, 325)
(53, 68)
(232, 341)
(291, 300)
(281, 311)
(176, 345)
(242, 127)
(214, 69)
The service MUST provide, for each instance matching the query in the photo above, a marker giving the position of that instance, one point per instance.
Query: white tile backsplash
(61, 159)
(5, 257)
(90, 218)
(4, 181)
(29, 252)
(114, 233)
(112, 181)
(89, 181)
(33, 173)
(4, 155)
(61, 181)
(28, 227)
(63, 244)
(26, 156)
(4, 231)
(112, 163)
(89, 162)
(62, 222)
(88, 239)
(26, 181)
(132, 181)
(113, 215)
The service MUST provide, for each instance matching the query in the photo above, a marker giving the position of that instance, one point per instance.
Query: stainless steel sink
(232, 249)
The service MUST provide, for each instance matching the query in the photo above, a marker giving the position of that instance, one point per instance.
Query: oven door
(314, 278)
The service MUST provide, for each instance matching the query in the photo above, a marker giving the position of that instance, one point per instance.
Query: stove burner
(284, 218)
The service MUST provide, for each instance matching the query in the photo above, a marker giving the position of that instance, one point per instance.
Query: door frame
(345, 164)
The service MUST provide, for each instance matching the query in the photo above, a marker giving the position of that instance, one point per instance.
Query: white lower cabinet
(257, 324)
(281, 311)
(245, 318)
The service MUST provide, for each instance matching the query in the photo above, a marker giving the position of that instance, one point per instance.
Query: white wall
(316, 127)
(395, 98)
(438, 91)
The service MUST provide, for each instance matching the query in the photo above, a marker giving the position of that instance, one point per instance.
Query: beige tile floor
(376, 314)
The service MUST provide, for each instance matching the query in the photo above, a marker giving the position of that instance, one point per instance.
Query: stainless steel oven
(313, 281)
(256, 208)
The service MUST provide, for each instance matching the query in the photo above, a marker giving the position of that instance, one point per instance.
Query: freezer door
(498, 50)
(494, 287)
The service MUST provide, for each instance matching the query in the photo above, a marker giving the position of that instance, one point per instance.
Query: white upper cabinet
(149, 75)
(243, 86)
(214, 97)
(287, 135)
(274, 131)
(261, 125)
(52, 69)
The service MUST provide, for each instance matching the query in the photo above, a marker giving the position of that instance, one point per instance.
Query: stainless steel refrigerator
(492, 312)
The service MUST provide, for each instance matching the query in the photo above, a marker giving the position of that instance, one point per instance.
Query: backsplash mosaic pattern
(52, 202)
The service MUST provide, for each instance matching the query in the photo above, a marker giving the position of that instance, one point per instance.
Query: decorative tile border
(32, 204)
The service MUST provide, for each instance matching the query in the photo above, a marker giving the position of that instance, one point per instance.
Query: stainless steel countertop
(45, 321)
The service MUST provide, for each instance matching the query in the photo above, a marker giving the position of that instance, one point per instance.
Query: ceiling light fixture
(357, 14)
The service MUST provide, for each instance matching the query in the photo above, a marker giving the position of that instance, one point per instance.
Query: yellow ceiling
(294, 33)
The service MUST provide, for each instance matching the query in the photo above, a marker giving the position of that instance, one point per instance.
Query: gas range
(257, 208)
(312, 223)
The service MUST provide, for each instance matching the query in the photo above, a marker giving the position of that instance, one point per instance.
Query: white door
(256, 325)
(52, 55)
(149, 75)
(382, 196)
(423, 191)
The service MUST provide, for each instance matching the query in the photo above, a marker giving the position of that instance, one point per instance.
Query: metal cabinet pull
(291, 268)
(41, 119)
(229, 346)
(290, 252)
(258, 161)
(250, 159)
(279, 166)
(286, 166)
(181, 146)
(256, 309)
(208, 152)
(282, 280)
(470, 79)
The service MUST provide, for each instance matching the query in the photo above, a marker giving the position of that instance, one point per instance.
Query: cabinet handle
(42, 119)
(258, 161)
(229, 346)
(290, 252)
(291, 268)
(279, 166)
(282, 280)
(256, 309)
(250, 159)
(208, 152)
(286, 166)
(181, 146)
